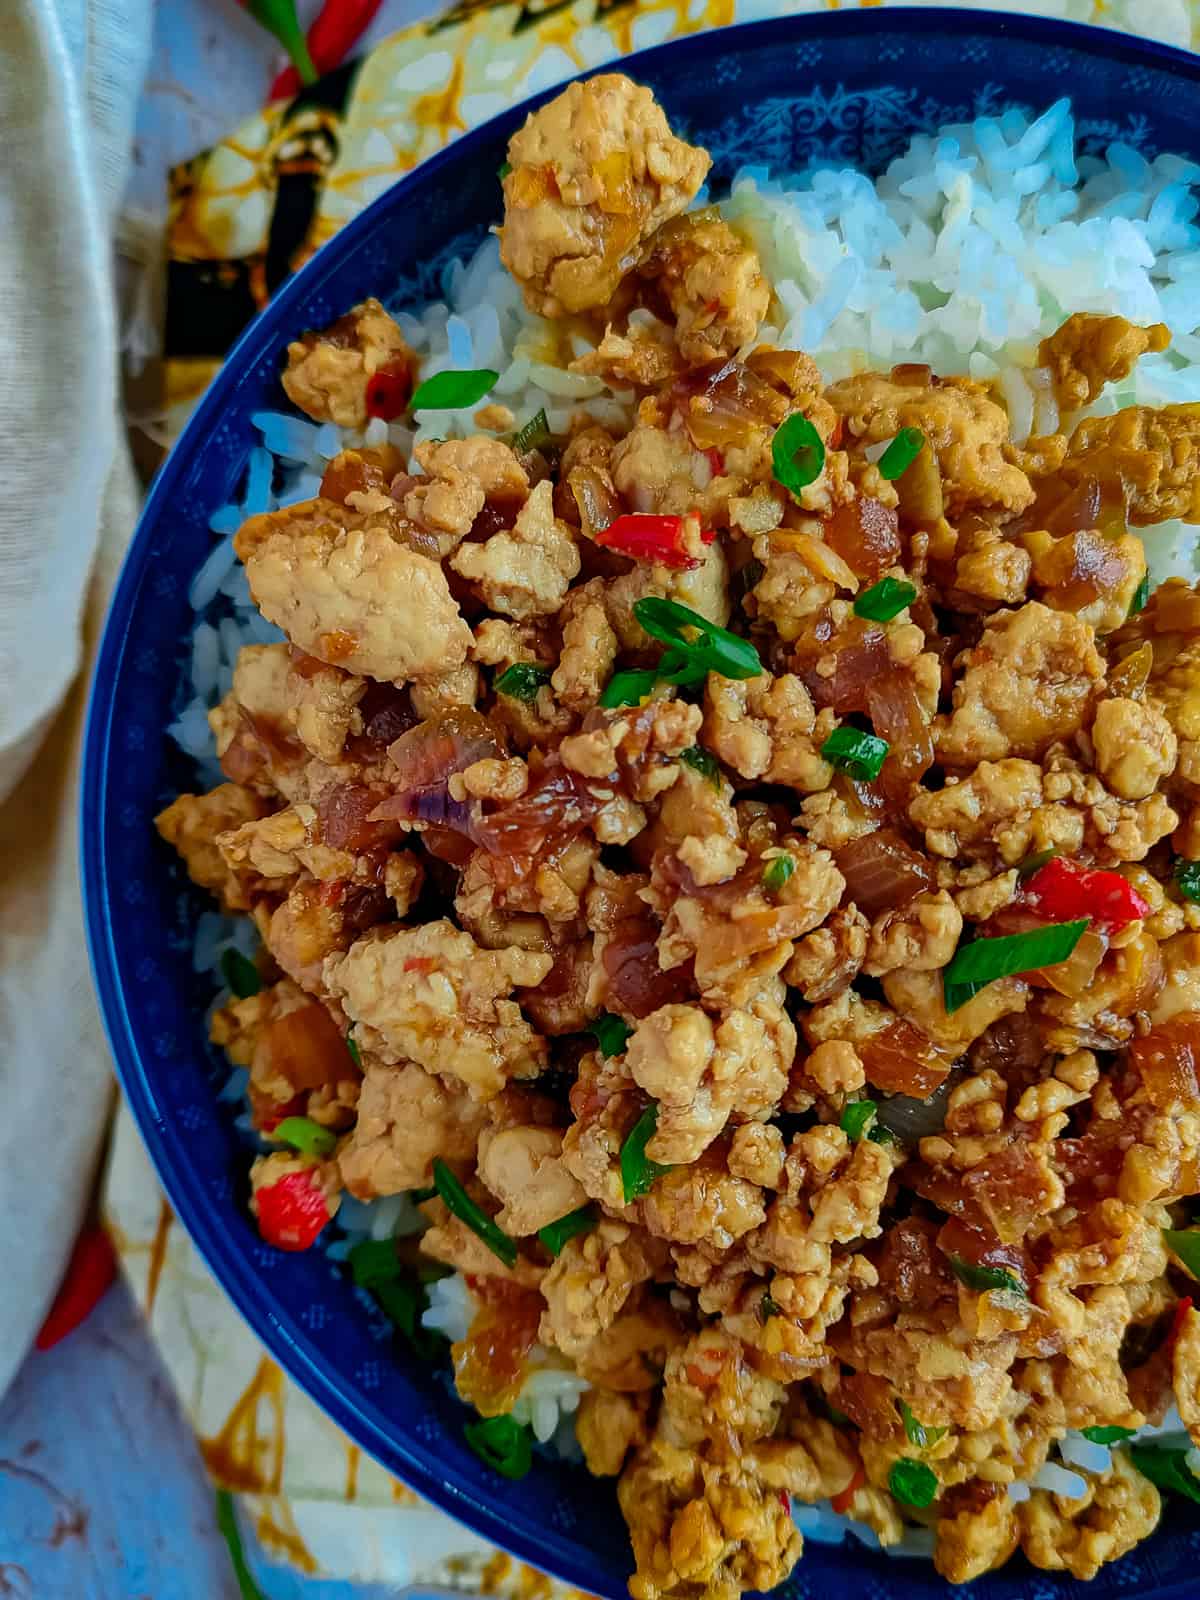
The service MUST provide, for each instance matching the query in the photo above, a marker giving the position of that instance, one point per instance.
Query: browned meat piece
(1156, 454)
(346, 591)
(967, 431)
(328, 373)
(194, 822)
(523, 1167)
(525, 571)
(713, 283)
(608, 1426)
(1089, 351)
(1027, 682)
(406, 1117)
(594, 173)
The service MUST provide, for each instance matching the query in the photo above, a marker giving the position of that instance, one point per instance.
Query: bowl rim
(250, 1294)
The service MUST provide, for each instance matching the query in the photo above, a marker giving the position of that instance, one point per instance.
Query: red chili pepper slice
(292, 1211)
(334, 33)
(1063, 891)
(90, 1271)
(841, 1502)
(388, 390)
(644, 536)
(716, 461)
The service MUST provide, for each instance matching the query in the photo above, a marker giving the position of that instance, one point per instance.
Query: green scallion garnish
(1034, 863)
(857, 1117)
(355, 1052)
(242, 977)
(305, 1135)
(912, 1482)
(503, 1444)
(638, 1172)
(534, 434)
(1184, 1245)
(1140, 596)
(1107, 1435)
(777, 872)
(375, 1266)
(556, 1234)
(1167, 1468)
(901, 453)
(767, 1308)
(703, 762)
(885, 599)
(451, 391)
(227, 1525)
(797, 453)
(981, 1279)
(1187, 878)
(503, 170)
(859, 755)
(459, 1202)
(690, 660)
(522, 680)
(627, 688)
(981, 962)
(916, 1432)
(610, 1033)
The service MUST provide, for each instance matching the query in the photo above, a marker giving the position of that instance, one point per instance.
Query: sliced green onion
(1184, 1245)
(982, 1279)
(916, 1432)
(880, 1134)
(858, 754)
(1107, 1435)
(227, 1525)
(242, 977)
(628, 688)
(885, 599)
(767, 1308)
(355, 1053)
(797, 453)
(704, 763)
(375, 1266)
(459, 1202)
(1187, 878)
(534, 434)
(503, 170)
(305, 1135)
(611, 1033)
(1166, 1468)
(778, 870)
(1034, 863)
(1140, 596)
(556, 1234)
(857, 1117)
(522, 680)
(451, 391)
(419, 1196)
(838, 1417)
(503, 1444)
(912, 1482)
(976, 965)
(638, 1172)
(901, 453)
(716, 650)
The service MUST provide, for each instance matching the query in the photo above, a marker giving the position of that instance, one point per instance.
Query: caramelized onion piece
(637, 984)
(725, 403)
(598, 502)
(865, 533)
(896, 716)
(901, 1059)
(1128, 678)
(882, 871)
(426, 755)
(305, 1048)
(1167, 1060)
(345, 815)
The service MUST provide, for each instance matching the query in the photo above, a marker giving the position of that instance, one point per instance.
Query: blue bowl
(851, 86)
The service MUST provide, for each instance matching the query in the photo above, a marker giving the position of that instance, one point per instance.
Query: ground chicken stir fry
(738, 875)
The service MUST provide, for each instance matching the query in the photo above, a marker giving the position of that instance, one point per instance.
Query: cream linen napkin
(70, 71)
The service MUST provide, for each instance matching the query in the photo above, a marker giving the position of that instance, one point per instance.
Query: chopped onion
(911, 1119)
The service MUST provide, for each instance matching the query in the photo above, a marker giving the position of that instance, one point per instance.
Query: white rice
(969, 249)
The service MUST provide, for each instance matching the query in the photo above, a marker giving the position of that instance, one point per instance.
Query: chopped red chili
(841, 1502)
(388, 390)
(646, 537)
(1062, 891)
(292, 1211)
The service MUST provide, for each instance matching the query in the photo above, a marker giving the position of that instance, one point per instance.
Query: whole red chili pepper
(90, 1271)
(291, 1211)
(388, 389)
(646, 537)
(1062, 890)
(332, 36)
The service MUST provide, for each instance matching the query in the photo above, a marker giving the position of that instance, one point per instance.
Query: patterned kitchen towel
(244, 215)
